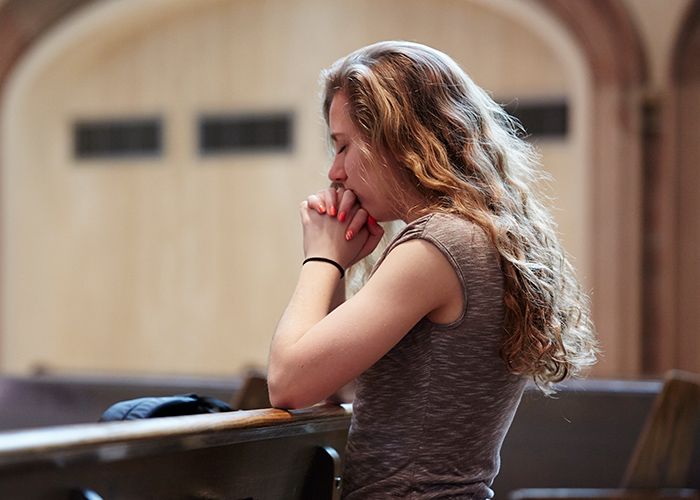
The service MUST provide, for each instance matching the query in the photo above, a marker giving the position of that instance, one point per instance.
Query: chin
(384, 216)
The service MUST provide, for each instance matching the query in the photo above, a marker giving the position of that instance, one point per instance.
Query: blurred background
(153, 154)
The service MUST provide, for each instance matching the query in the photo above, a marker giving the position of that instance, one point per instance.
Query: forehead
(339, 115)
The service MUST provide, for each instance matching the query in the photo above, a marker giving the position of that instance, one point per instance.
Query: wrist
(326, 261)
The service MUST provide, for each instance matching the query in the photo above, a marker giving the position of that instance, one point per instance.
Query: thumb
(376, 232)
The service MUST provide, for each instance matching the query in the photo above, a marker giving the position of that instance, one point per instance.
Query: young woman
(473, 297)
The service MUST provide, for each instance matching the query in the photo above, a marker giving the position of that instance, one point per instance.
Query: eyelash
(341, 150)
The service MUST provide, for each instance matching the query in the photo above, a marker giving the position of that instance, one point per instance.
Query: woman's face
(347, 168)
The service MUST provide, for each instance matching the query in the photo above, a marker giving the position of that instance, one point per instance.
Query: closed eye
(340, 150)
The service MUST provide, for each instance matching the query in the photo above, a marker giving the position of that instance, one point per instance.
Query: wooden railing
(257, 454)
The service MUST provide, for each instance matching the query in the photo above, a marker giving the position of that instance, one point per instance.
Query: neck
(417, 208)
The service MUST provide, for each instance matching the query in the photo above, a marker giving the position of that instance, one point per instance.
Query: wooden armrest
(607, 494)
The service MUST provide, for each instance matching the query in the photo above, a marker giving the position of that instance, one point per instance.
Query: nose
(336, 174)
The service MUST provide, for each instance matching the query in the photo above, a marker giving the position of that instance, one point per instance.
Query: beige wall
(184, 264)
(658, 22)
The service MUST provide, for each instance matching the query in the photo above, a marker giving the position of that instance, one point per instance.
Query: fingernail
(341, 216)
(321, 209)
(331, 211)
(371, 220)
(348, 235)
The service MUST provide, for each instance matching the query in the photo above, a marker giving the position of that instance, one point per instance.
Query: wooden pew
(582, 438)
(660, 467)
(47, 400)
(256, 454)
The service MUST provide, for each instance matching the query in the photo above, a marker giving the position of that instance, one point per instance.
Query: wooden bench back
(663, 465)
(260, 454)
(663, 453)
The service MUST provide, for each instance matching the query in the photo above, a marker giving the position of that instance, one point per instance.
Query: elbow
(283, 398)
(282, 402)
(281, 391)
(291, 384)
(278, 397)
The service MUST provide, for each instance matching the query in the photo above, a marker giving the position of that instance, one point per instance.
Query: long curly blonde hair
(452, 146)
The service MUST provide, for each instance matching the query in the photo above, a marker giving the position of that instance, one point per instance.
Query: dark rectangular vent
(245, 133)
(117, 138)
(548, 119)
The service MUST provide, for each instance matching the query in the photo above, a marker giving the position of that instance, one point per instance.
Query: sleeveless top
(430, 416)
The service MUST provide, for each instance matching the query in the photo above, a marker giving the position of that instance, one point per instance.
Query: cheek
(352, 163)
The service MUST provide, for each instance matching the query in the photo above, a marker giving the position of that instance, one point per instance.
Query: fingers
(372, 233)
(340, 202)
(376, 232)
(327, 201)
(316, 202)
(357, 220)
(347, 200)
(332, 197)
(330, 200)
(374, 228)
(306, 211)
(324, 202)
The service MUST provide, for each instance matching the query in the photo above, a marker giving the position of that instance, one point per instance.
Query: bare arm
(314, 351)
(338, 295)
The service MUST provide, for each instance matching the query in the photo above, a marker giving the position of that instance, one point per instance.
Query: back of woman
(430, 416)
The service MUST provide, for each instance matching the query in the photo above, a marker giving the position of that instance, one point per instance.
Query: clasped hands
(337, 227)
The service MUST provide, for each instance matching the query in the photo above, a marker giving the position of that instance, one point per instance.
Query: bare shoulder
(418, 275)
(415, 259)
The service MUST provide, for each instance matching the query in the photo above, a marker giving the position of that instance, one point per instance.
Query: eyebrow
(334, 136)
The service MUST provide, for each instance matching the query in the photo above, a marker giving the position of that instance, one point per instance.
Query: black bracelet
(327, 261)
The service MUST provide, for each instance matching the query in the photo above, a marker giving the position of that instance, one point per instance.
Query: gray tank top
(430, 416)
